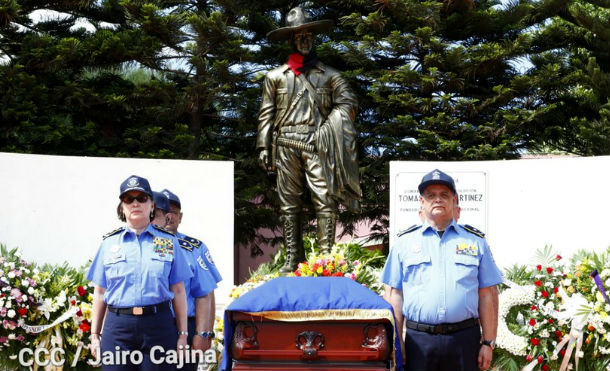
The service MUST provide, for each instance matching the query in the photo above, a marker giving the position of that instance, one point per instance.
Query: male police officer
(443, 285)
(201, 310)
(161, 209)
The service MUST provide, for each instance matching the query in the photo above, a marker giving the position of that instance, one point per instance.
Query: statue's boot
(327, 226)
(293, 241)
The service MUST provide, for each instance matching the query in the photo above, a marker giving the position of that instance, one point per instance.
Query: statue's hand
(263, 160)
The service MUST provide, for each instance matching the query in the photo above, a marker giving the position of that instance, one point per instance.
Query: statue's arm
(266, 114)
(343, 96)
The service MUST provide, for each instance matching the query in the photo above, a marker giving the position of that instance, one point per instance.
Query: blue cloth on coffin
(295, 294)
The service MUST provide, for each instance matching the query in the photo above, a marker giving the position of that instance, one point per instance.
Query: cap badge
(133, 182)
(166, 193)
(436, 175)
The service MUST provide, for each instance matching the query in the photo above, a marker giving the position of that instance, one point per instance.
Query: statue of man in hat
(306, 133)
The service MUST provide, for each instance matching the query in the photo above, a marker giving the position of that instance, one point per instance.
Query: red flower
(545, 367)
(545, 294)
(550, 320)
(540, 359)
(326, 273)
(534, 307)
(558, 257)
(535, 341)
(539, 267)
(82, 291)
(315, 267)
(590, 328)
(297, 273)
(72, 302)
(22, 311)
(85, 327)
(538, 283)
(562, 352)
(528, 358)
(549, 270)
(558, 334)
(532, 322)
(337, 274)
(555, 289)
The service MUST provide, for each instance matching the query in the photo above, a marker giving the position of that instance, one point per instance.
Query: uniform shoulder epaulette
(195, 242)
(163, 229)
(120, 229)
(473, 230)
(409, 230)
(185, 244)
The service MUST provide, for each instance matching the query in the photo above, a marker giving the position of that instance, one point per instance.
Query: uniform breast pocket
(161, 264)
(466, 268)
(281, 98)
(115, 267)
(415, 269)
(324, 96)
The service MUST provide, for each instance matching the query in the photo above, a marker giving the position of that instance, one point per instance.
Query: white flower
(18, 254)
(46, 308)
(549, 284)
(11, 274)
(25, 283)
(36, 271)
(11, 313)
(544, 333)
(31, 290)
(580, 354)
(8, 304)
(11, 336)
(605, 273)
(567, 282)
(13, 357)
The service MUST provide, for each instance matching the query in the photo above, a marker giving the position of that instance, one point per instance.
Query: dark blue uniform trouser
(435, 352)
(141, 333)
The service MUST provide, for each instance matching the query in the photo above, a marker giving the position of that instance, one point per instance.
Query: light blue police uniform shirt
(138, 270)
(205, 273)
(440, 276)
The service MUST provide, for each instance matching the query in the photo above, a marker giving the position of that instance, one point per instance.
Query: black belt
(141, 311)
(443, 328)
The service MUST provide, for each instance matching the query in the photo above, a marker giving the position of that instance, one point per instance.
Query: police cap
(173, 198)
(135, 183)
(436, 177)
(161, 201)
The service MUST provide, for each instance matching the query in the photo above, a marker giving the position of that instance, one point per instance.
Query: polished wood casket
(260, 343)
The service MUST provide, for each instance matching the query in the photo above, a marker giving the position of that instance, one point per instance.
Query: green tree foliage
(182, 79)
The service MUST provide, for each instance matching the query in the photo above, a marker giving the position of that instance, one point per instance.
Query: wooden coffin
(260, 343)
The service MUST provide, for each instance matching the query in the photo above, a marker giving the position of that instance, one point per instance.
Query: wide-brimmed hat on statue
(296, 20)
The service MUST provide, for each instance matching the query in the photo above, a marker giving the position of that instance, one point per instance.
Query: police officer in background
(442, 280)
(138, 269)
(201, 306)
(161, 209)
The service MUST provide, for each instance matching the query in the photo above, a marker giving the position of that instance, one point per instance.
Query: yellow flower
(603, 315)
(86, 309)
(90, 298)
(319, 270)
(599, 297)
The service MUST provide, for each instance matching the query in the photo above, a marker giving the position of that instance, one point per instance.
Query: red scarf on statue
(299, 64)
(295, 61)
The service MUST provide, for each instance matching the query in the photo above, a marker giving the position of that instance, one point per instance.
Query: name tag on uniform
(466, 249)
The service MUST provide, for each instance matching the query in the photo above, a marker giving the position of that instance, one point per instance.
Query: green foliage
(182, 79)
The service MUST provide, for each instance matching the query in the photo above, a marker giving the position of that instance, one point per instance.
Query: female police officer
(137, 270)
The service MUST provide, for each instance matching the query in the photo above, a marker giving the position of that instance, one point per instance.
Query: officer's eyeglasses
(127, 199)
(433, 196)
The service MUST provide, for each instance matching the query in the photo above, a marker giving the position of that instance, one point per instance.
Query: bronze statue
(306, 133)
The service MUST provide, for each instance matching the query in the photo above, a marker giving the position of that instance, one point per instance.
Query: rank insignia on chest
(466, 249)
(163, 246)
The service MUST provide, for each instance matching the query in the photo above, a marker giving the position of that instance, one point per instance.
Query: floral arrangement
(47, 307)
(555, 317)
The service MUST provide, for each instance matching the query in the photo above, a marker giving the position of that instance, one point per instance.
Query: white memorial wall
(521, 205)
(57, 208)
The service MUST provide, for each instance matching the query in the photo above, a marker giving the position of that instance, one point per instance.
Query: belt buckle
(302, 129)
(137, 311)
(440, 329)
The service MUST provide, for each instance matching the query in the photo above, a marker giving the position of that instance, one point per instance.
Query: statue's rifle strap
(313, 94)
(280, 123)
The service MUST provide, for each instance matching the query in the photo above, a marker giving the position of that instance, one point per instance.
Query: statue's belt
(291, 143)
(299, 129)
